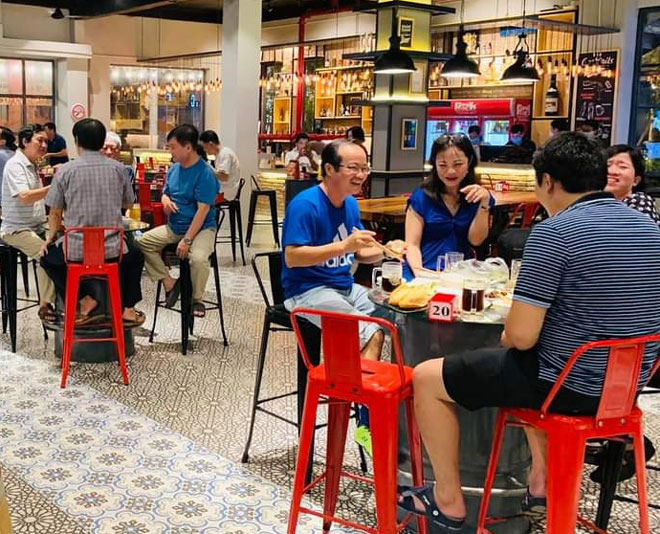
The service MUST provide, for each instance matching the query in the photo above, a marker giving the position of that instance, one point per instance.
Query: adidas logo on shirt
(339, 261)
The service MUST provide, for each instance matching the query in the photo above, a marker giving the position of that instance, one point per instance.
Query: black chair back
(241, 183)
(274, 260)
(255, 183)
(293, 187)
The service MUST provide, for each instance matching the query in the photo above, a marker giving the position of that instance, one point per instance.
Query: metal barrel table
(424, 340)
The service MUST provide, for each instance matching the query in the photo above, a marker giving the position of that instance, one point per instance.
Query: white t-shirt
(226, 161)
(303, 161)
(19, 175)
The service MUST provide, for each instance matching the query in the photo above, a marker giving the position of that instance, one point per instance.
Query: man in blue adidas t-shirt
(322, 236)
(585, 277)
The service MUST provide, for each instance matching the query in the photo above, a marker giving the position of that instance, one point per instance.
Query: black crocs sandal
(199, 310)
(534, 507)
(424, 495)
(48, 314)
(172, 295)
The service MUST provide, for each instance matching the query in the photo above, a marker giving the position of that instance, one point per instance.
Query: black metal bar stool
(254, 198)
(233, 208)
(186, 306)
(8, 282)
(276, 319)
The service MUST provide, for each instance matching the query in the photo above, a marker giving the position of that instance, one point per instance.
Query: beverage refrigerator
(494, 115)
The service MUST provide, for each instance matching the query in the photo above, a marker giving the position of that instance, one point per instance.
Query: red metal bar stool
(618, 415)
(93, 264)
(345, 378)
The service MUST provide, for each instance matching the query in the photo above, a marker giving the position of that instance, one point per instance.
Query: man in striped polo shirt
(585, 276)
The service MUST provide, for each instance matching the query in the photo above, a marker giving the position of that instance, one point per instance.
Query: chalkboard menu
(595, 92)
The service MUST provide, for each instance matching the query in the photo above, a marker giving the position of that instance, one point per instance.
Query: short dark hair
(50, 126)
(475, 128)
(185, 134)
(560, 124)
(637, 160)
(26, 133)
(594, 125)
(357, 133)
(575, 161)
(330, 154)
(89, 134)
(301, 135)
(517, 128)
(9, 138)
(433, 186)
(209, 136)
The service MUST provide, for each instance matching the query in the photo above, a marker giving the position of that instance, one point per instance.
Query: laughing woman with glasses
(449, 211)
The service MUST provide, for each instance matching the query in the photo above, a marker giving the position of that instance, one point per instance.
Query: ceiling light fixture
(57, 14)
(460, 66)
(522, 69)
(394, 60)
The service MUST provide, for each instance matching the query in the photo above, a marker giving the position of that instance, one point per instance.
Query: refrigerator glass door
(496, 132)
(434, 129)
(462, 125)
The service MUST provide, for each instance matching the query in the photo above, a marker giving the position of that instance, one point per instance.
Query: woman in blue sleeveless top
(449, 211)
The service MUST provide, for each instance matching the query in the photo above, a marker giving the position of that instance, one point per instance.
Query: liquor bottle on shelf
(552, 98)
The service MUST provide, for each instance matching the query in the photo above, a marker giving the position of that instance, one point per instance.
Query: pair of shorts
(507, 378)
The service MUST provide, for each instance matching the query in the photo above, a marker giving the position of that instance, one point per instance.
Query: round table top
(131, 225)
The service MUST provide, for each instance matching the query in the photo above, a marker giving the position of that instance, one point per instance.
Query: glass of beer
(472, 304)
(391, 274)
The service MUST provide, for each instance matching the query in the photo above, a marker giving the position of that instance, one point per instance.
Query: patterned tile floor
(94, 471)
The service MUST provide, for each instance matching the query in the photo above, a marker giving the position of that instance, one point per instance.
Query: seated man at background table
(57, 153)
(93, 190)
(225, 163)
(23, 211)
(322, 236)
(112, 149)
(188, 200)
(585, 277)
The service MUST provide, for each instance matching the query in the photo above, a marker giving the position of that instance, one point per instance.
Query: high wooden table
(393, 209)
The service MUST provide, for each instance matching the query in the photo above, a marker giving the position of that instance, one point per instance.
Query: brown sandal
(139, 320)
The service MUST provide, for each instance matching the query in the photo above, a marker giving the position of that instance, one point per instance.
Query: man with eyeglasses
(322, 236)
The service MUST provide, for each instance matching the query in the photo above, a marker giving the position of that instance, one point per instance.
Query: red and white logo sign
(78, 112)
(467, 106)
(523, 111)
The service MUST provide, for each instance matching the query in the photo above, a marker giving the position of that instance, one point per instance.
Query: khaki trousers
(29, 243)
(152, 242)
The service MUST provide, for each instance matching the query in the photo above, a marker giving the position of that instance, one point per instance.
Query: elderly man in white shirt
(23, 208)
(225, 165)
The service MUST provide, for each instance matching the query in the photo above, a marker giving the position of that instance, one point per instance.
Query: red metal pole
(300, 72)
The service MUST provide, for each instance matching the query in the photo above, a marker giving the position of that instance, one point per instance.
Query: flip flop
(172, 295)
(88, 320)
(139, 321)
(199, 310)
(48, 314)
(534, 507)
(424, 495)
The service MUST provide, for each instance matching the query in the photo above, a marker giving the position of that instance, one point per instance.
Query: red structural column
(300, 72)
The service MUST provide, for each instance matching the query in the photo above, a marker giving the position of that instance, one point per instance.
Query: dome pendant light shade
(394, 61)
(460, 66)
(522, 69)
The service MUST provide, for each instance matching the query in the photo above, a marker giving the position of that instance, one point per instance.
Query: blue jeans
(354, 301)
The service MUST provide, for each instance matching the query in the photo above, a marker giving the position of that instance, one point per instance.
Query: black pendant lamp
(522, 69)
(394, 60)
(460, 66)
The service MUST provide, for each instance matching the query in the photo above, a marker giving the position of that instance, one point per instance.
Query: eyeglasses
(356, 169)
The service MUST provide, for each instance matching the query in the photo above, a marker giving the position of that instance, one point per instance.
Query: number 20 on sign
(443, 308)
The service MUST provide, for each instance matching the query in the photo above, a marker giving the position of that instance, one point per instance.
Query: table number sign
(443, 308)
(503, 186)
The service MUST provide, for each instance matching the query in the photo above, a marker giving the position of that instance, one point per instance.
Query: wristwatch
(187, 241)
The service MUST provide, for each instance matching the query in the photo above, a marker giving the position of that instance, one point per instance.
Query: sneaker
(363, 439)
